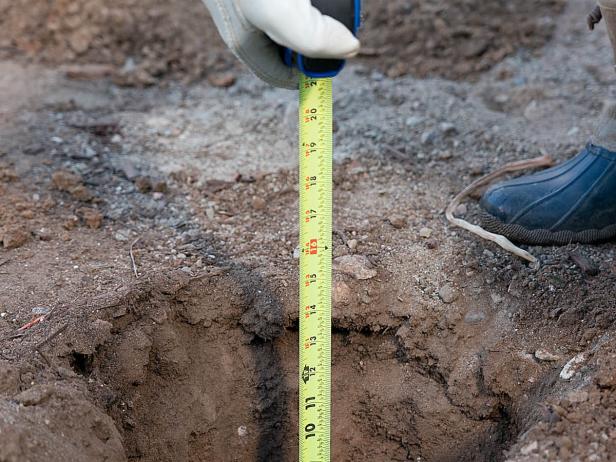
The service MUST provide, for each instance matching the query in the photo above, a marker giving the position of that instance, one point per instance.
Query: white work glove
(253, 28)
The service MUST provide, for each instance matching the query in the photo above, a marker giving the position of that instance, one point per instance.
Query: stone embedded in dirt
(352, 244)
(128, 168)
(426, 233)
(14, 236)
(357, 266)
(428, 137)
(544, 355)
(474, 317)
(92, 217)
(397, 221)
(341, 293)
(122, 235)
(258, 203)
(461, 209)
(573, 366)
(448, 128)
(448, 294)
(413, 121)
(242, 431)
(529, 448)
(69, 182)
(222, 79)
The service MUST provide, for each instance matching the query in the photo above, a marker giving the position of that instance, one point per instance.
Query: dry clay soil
(148, 301)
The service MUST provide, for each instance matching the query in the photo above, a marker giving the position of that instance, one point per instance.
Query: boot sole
(522, 235)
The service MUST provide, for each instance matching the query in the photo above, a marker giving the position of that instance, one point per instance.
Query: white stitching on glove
(252, 29)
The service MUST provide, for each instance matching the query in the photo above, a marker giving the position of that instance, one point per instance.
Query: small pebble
(544, 355)
(397, 221)
(529, 448)
(448, 128)
(426, 233)
(352, 244)
(448, 294)
(222, 79)
(258, 203)
(242, 431)
(413, 121)
(461, 209)
(40, 310)
(121, 236)
(474, 317)
(428, 137)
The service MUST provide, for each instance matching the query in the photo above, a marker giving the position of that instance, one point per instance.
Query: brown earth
(146, 228)
(146, 40)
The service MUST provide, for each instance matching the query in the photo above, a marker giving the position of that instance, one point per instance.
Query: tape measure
(315, 229)
(315, 267)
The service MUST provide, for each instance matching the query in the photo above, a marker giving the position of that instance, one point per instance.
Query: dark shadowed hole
(82, 363)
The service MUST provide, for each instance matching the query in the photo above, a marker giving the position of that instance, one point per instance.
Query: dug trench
(205, 368)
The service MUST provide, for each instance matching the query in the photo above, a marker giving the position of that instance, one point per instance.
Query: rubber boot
(572, 202)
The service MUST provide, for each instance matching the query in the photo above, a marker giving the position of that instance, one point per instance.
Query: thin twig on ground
(132, 256)
(42, 343)
(57, 332)
(502, 241)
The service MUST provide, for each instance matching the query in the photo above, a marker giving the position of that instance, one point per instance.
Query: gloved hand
(253, 29)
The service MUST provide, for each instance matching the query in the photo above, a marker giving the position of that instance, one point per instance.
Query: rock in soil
(356, 266)
(448, 294)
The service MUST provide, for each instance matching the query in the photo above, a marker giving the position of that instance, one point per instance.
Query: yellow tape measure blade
(315, 215)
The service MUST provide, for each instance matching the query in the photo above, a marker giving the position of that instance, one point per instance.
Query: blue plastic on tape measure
(348, 12)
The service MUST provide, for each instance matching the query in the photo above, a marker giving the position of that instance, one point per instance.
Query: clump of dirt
(154, 38)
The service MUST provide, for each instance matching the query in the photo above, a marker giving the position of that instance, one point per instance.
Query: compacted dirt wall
(153, 38)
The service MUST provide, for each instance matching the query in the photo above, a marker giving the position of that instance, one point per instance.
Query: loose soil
(156, 231)
(146, 40)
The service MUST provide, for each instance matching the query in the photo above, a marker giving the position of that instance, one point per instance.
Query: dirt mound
(154, 38)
